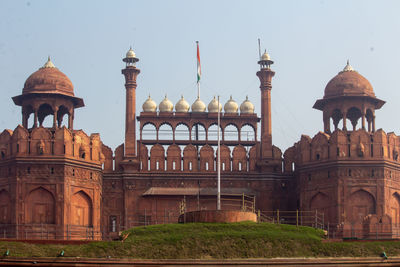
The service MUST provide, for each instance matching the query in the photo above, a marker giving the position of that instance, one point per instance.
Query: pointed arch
(40, 207)
(61, 112)
(148, 131)
(322, 204)
(174, 158)
(395, 209)
(231, 132)
(247, 132)
(198, 132)
(190, 158)
(44, 111)
(157, 158)
(207, 158)
(81, 209)
(5, 207)
(361, 204)
(239, 158)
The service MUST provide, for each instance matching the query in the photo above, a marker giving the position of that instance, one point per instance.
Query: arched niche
(225, 157)
(395, 209)
(174, 158)
(207, 158)
(190, 158)
(81, 210)
(239, 158)
(157, 158)
(5, 207)
(321, 203)
(40, 207)
(360, 204)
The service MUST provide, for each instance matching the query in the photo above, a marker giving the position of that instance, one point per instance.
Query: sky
(309, 41)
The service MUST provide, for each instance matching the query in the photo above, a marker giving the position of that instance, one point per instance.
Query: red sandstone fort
(61, 183)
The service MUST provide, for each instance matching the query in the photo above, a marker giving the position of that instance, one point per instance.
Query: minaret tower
(130, 72)
(265, 75)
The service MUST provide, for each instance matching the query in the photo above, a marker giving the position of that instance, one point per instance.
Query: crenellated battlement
(343, 145)
(40, 141)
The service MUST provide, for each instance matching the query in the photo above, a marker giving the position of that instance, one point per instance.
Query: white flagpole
(198, 89)
(219, 163)
(198, 63)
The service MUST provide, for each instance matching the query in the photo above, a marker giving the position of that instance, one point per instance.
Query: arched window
(165, 132)
(149, 132)
(62, 111)
(198, 132)
(231, 133)
(213, 133)
(247, 133)
(43, 115)
(182, 132)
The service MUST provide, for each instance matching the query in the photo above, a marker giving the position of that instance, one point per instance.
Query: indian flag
(198, 63)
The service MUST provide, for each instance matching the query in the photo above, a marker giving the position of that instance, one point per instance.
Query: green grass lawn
(211, 241)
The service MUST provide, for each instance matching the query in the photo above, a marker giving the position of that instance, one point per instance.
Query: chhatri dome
(231, 106)
(265, 56)
(130, 53)
(149, 105)
(48, 79)
(198, 106)
(348, 83)
(166, 105)
(213, 106)
(182, 105)
(247, 107)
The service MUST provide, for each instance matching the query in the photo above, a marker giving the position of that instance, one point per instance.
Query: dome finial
(348, 67)
(48, 64)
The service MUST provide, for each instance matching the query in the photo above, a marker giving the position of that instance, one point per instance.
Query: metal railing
(297, 217)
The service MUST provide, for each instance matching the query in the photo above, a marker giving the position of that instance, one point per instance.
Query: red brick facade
(76, 186)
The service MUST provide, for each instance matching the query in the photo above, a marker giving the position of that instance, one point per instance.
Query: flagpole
(198, 70)
(219, 163)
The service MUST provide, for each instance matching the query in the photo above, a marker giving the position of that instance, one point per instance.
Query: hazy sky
(309, 41)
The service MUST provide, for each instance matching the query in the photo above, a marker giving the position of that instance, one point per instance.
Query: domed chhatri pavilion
(60, 183)
(51, 178)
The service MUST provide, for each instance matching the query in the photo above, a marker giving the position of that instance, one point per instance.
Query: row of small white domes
(198, 106)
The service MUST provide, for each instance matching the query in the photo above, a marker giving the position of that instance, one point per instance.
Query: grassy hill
(211, 241)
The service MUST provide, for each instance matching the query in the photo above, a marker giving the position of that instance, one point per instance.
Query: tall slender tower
(130, 72)
(265, 75)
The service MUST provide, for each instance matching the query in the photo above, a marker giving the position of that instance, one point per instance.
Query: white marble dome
(213, 106)
(149, 105)
(166, 105)
(182, 105)
(231, 106)
(247, 107)
(198, 106)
